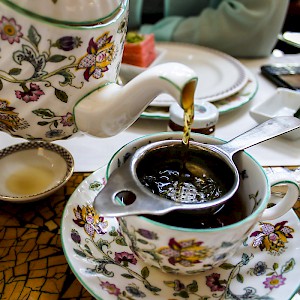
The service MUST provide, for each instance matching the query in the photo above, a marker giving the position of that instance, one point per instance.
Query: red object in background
(141, 53)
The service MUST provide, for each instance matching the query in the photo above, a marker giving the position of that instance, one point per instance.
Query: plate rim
(165, 47)
(252, 78)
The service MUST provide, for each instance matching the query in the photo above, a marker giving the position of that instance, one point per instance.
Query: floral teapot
(59, 63)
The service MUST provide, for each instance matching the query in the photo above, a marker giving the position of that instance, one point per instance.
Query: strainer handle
(263, 132)
(121, 180)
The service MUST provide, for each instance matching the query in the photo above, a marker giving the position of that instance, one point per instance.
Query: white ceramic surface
(33, 170)
(219, 75)
(58, 79)
(224, 106)
(106, 267)
(69, 11)
(284, 102)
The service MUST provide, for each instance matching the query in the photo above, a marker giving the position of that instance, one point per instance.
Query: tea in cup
(187, 242)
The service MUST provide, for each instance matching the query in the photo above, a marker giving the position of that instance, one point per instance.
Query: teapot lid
(76, 12)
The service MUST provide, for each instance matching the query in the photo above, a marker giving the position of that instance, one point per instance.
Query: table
(32, 263)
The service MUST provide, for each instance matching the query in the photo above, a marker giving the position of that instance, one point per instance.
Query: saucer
(33, 170)
(265, 267)
(212, 68)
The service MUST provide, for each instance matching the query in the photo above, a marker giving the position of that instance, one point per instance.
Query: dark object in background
(283, 75)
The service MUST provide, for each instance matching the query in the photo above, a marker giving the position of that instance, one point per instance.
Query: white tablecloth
(91, 153)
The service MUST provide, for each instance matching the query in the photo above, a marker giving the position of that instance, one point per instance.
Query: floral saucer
(265, 267)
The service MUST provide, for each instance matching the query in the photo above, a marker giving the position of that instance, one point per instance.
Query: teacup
(174, 245)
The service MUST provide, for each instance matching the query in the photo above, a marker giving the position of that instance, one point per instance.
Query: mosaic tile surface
(32, 262)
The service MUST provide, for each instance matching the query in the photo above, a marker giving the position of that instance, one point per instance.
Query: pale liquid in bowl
(30, 180)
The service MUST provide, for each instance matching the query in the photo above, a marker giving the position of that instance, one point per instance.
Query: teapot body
(47, 67)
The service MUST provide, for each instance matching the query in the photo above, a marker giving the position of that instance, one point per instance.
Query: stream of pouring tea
(188, 107)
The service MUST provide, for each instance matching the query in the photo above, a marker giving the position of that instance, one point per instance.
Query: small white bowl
(31, 171)
(284, 102)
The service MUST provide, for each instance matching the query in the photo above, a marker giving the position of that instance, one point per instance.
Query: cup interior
(249, 201)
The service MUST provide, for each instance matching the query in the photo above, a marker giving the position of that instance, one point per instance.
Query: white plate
(219, 75)
(225, 105)
(107, 268)
(284, 102)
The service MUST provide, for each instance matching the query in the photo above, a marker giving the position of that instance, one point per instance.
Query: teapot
(59, 64)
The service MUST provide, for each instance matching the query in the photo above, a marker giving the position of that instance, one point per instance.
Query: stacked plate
(222, 79)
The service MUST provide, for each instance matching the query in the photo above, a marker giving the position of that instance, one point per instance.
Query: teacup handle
(287, 202)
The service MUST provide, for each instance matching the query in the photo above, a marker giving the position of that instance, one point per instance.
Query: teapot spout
(113, 108)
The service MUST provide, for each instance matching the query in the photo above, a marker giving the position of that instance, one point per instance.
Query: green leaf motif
(44, 113)
(142, 241)
(88, 250)
(61, 95)
(101, 242)
(56, 58)
(1, 85)
(239, 278)
(275, 266)
(227, 266)
(120, 241)
(43, 123)
(80, 253)
(182, 294)
(289, 265)
(113, 231)
(68, 76)
(55, 123)
(15, 71)
(34, 36)
(128, 276)
(152, 288)
(145, 272)
(193, 287)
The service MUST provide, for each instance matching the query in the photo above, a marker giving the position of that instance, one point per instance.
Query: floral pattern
(42, 73)
(120, 275)
(272, 238)
(9, 30)
(186, 253)
(10, 120)
(99, 55)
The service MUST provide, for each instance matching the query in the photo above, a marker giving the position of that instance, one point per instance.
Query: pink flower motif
(10, 30)
(29, 95)
(214, 283)
(110, 288)
(125, 258)
(67, 120)
(274, 281)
